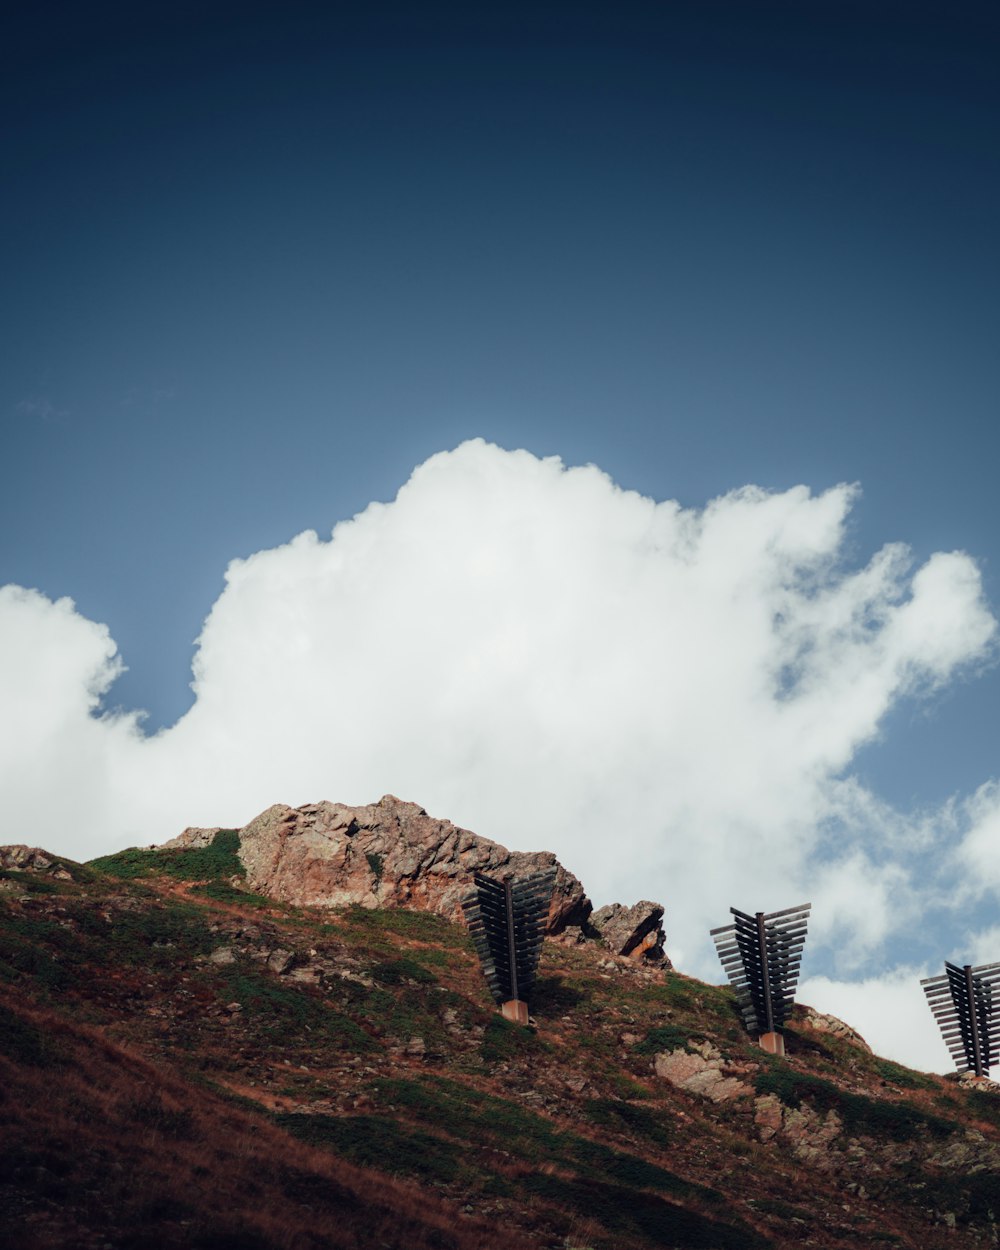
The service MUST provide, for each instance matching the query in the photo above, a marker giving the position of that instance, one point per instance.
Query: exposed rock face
(702, 1072)
(387, 854)
(808, 1132)
(633, 931)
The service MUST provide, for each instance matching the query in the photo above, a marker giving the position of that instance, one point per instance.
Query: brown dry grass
(101, 1145)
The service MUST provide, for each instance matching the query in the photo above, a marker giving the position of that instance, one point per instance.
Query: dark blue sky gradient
(259, 261)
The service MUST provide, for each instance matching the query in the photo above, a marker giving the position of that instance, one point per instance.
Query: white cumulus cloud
(890, 1012)
(669, 698)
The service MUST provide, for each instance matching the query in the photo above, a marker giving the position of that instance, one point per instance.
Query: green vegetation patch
(399, 1012)
(215, 862)
(974, 1197)
(379, 1142)
(665, 1037)
(470, 1115)
(33, 948)
(680, 992)
(622, 1210)
(905, 1078)
(625, 1117)
(503, 1041)
(291, 1011)
(223, 892)
(31, 883)
(483, 1119)
(420, 926)
(151, 936)
(861, 1116)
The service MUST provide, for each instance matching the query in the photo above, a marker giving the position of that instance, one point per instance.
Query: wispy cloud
(41, 408)
(146, 396)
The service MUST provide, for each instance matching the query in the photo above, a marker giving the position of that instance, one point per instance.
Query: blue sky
(260, 262)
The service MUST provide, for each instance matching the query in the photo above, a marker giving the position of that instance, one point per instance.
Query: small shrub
(398, 971)
(627, 1089)
(25, 1043)
(625, 1117)
(504, 1041)
(32, 883)
(22, 960)
(664, 1037)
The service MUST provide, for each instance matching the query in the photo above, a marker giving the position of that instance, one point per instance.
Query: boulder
(633, 931)
(386, 854)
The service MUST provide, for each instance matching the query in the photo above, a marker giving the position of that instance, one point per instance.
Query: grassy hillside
(184, 1064)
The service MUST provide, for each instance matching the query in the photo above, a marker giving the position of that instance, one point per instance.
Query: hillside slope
(186, 1064)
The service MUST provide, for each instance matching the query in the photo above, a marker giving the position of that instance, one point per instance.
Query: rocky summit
(258, 1039)
(386, 854)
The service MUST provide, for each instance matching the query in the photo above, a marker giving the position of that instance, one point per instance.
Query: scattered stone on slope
(971, 1152)
(822, 1023)
(633, 931)
(809, 1133)
(281, 961)
(386, 854)
(977, 1084)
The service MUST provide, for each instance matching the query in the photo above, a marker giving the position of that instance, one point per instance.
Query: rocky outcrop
(810, 1133)
(386, 854)
(191, 839)
(700, 1070)
(633, 931)
(978, 1084)
(822, 1023)
(21, 858)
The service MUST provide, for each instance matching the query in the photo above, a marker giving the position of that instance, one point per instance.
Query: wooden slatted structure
(962, 1002)
(507, 923)
(761, 955)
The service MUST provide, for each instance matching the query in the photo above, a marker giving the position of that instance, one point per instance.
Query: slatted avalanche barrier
(507, 923)
(761, 955)
(962, 1000)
